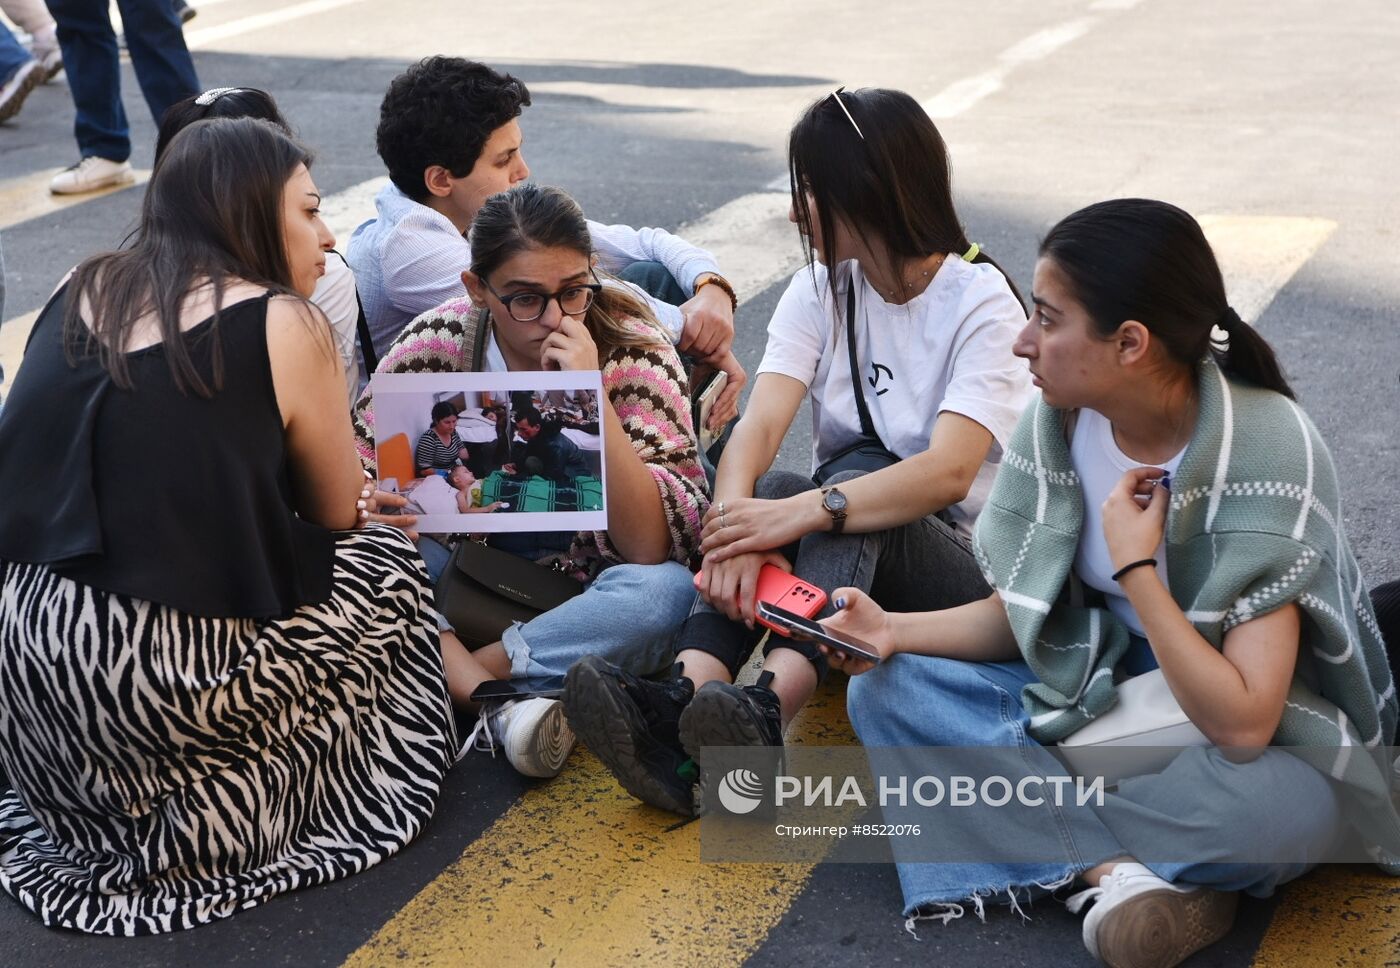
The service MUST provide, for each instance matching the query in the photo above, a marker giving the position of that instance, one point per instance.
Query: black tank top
(154, 493)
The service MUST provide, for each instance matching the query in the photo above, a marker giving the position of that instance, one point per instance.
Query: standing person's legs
(31, 16)
(94, 76)
(13, 56)
(19, 74)
(162, 62)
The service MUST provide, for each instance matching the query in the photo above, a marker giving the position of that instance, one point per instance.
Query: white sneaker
(1141, 921)
(533, 734)
(91, 174)
(26, 78)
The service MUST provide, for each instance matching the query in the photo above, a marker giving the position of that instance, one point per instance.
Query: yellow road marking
(22, 199)
(1336, 916)
(579, 873)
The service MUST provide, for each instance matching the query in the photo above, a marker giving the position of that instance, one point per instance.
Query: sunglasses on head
(836, 96)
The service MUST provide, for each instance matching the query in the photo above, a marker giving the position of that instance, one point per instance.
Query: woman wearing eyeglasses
(899, 331)
(536, 303)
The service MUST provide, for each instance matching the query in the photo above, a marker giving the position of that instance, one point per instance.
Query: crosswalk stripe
(28, 196)
(578, 873)
(208, 36)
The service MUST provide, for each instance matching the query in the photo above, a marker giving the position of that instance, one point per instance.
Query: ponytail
(1247, 355)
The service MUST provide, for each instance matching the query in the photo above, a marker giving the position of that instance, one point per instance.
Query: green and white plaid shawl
(1254, 523)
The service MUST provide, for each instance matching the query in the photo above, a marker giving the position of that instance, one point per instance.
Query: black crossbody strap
(362, 327)
(866, 426)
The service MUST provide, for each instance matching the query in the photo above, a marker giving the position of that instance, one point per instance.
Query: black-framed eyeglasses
(526, 307)
(836, 96)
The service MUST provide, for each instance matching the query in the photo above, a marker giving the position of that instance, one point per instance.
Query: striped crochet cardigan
(645, 385)
(1254, 523)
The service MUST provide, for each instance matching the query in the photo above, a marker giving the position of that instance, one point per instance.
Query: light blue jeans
(628, 615)
(1200, 812)
(12, 55)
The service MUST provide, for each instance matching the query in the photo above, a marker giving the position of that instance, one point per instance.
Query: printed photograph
(487, 452)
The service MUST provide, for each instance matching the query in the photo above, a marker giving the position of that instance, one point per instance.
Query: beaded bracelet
(1117, 575)
(718, 280)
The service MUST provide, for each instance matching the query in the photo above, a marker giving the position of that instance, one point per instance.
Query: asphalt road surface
(1275, 122)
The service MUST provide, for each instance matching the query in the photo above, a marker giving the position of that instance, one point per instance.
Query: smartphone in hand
(799, 627)
(777, 587)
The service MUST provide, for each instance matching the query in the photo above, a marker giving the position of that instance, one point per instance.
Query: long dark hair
(212, 211)
(891, 181)
(534, 217)
(1135, 258)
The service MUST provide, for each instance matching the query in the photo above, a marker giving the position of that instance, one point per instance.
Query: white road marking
(958, 97)
(751, 239)
(198, 39)
(347, 208)
(28, 196)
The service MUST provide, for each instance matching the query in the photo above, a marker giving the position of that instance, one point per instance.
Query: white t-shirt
(1100, 466)
(335, 295)
(949, 348)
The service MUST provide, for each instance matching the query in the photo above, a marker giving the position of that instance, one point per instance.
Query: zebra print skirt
(170, 770)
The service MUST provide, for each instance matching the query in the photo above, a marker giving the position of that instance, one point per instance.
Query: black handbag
(483, 590)
(869, 452)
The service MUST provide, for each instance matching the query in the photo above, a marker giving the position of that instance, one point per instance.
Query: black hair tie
(1118, 575)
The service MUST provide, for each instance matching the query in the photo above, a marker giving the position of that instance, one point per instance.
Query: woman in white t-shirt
(934, 322)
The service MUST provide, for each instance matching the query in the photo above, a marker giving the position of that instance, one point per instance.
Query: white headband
(213, 94)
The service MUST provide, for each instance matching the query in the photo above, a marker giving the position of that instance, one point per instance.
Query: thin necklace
(920, 280)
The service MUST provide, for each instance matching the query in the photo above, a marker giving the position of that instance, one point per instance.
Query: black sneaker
(631, 724)
(722, 714)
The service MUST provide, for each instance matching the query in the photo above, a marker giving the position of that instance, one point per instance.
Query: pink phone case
(777, 587)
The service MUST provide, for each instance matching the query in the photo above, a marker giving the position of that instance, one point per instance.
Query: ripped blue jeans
(1205, 809)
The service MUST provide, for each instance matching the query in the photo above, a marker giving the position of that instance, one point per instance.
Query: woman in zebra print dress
(207, 695)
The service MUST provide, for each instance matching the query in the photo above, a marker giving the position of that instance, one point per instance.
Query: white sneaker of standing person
(90, 175)
(533, 734)
(16, 88)
(1141, 921)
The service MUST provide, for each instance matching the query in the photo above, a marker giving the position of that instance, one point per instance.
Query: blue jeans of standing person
(1192, 823)
(156, 43)
(13, 56)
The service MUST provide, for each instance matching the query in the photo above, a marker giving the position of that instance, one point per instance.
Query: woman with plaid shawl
(1166, 508)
